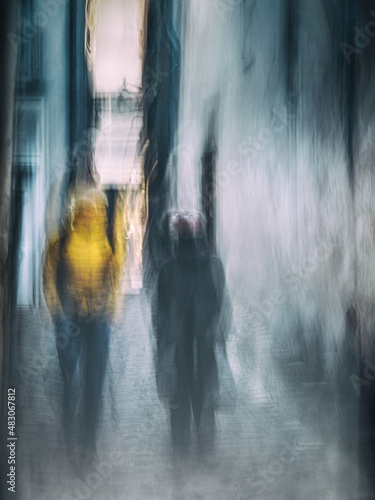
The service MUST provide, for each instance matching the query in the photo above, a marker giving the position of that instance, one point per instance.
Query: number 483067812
(11, 411)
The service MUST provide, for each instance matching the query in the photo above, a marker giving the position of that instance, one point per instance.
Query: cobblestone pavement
(291, 436)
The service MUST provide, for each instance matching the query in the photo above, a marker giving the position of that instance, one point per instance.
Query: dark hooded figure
(190, 322)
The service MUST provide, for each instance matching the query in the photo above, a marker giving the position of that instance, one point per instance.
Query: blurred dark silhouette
(192, 319)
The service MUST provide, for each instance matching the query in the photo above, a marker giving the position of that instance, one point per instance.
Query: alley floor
(290, 435)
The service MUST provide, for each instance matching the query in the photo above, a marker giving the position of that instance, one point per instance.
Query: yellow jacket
(82, 272)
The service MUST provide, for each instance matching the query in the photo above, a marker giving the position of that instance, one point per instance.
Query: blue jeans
(83, 352)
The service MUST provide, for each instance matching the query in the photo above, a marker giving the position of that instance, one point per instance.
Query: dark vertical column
(209, 195)
(81, 99)
(352, 17)
(291, 49)
(360, 98)
(161, 81)
(345, 18)
(8, 58)
(290, 58)
(209, 175)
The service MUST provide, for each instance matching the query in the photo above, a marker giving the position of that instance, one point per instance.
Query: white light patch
(118, 49)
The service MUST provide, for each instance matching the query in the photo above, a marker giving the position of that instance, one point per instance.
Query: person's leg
(180, 411)
(204, 393)
(94, 365)
(69, 343)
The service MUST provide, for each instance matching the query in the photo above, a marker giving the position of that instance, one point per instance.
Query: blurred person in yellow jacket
(81, 275)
